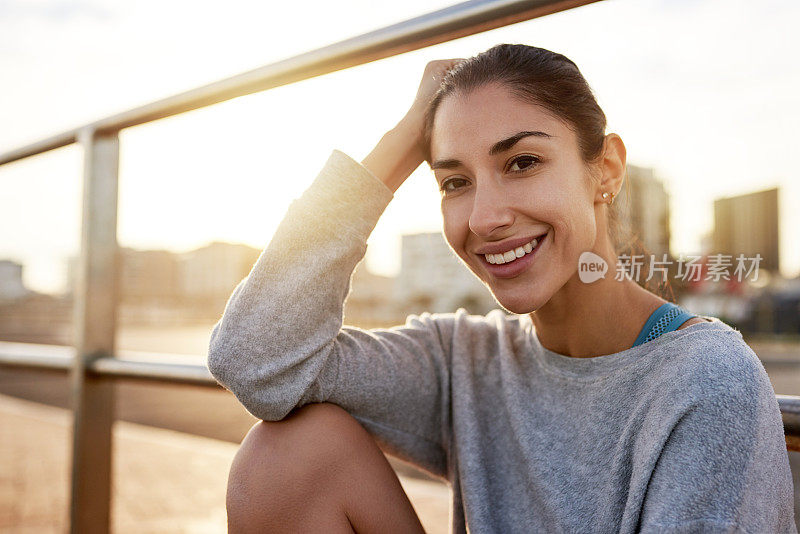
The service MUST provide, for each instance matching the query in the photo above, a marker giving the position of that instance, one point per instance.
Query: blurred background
(702, 92)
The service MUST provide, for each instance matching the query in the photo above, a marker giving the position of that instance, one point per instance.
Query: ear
(612, 166)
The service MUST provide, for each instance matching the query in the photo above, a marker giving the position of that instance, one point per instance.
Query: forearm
(397, 154)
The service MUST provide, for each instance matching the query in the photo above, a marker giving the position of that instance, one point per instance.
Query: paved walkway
(163, 481)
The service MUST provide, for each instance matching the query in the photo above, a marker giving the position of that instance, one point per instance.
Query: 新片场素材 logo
(591, 267)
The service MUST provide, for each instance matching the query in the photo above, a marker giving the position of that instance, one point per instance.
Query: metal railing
(94, 363)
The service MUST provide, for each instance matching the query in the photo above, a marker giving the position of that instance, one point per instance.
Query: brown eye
(452, 184)
(523, 163)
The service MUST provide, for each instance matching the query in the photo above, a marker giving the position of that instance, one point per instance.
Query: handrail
(140, 365)
(790, 412)
(180, 368)
(460, 20)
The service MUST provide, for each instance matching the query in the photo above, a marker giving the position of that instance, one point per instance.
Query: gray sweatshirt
(680, 434)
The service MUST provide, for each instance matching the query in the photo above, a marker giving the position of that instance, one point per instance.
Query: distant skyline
(705, 92)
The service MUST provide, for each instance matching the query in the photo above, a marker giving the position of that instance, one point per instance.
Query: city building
(208, 275)
(29, 316)
(748, 224)
(370, 303)
(643, 207)
(213, 271)
(160, 286)
(11, 285)
(149, 276)
(433, 279)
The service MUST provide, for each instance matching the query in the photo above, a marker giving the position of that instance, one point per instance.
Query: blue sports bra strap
(648, 325)
(665, 318)
(679, 319)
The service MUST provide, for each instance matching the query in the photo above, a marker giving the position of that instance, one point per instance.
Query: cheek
(456, 227)
(453, 234)
(579, 226)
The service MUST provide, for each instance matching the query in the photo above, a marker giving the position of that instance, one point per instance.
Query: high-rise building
(644, 211)
(748, 224)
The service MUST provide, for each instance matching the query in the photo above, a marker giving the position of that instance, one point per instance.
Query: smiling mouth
(512, 255)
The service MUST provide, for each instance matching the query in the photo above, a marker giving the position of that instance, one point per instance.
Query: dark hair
(536, 75)
(550, 80)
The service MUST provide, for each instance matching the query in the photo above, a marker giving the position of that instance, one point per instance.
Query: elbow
(216, 367)
(259, 399)
(267, 380)
(226, 361)
(220, 370)
(215, 359)
(264, 398)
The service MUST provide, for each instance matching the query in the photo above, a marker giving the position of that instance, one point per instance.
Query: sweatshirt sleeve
(724, 466)
(281, 343)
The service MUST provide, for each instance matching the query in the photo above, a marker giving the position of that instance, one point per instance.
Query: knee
(298, 454)
(314, 432)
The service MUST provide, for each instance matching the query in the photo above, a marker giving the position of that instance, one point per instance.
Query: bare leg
(317, 470)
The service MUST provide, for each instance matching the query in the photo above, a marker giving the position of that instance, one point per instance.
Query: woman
(577, 414)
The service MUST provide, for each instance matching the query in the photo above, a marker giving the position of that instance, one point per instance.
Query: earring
(607, 195)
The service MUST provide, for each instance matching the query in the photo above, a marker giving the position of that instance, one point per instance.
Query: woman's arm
(724, 466)
(397, 154)
(281, 344)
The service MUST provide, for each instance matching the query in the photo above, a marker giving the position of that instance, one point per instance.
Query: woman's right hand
(400, 151)
(431, 80)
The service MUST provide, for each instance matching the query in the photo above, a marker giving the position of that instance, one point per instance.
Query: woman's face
(502, 188)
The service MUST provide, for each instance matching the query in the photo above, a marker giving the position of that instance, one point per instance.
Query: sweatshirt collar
(598, 366)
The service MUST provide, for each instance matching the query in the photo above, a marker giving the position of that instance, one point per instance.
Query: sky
(703, 91)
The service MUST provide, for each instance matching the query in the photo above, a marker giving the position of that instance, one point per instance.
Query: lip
(511, 244)
(515, 268)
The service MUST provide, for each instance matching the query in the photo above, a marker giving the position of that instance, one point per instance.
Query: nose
(490, 209)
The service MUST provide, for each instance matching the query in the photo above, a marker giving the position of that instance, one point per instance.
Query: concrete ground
(163, 481)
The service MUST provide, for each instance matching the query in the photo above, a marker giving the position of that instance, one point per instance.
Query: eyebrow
(497, 148)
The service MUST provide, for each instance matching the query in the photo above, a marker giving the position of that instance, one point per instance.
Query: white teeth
(511, 255)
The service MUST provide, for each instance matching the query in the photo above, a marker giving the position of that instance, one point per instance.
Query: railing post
(94, 335)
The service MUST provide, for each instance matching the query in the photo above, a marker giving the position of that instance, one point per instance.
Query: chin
(519, 304)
